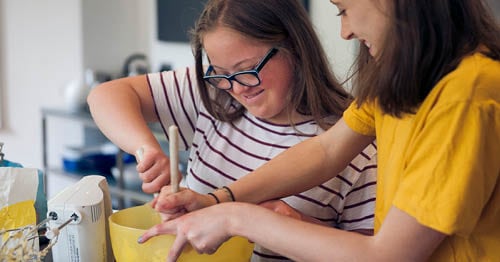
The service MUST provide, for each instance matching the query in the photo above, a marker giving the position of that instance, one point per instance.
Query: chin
(260, 115)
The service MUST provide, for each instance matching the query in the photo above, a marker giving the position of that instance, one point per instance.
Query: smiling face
(231, 52)
(365, 20)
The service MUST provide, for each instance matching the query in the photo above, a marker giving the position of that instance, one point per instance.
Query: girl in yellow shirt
(428, 89)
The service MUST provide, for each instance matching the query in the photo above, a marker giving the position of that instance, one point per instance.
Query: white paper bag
(18, 189)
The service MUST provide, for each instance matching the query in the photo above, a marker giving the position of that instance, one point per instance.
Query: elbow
(96, 94)
(92, 97)
(95, 97)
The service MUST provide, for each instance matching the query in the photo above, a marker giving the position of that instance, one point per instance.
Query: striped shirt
(222, 152)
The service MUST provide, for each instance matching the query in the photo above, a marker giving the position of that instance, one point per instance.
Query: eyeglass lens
(245, 78)
(248, 78)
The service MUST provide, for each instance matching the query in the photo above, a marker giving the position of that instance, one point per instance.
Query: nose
(239, 88)
(345, 29)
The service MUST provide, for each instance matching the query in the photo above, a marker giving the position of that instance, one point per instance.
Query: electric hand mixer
(79, 219)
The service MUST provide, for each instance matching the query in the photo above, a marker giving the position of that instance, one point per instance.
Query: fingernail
(139, 240)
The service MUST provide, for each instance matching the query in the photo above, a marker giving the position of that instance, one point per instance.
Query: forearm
(283, 175)
(296, 239)
(303, 166)
(118, 112)
(401, 237)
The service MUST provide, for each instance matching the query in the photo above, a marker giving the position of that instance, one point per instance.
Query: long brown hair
(286, 25)
(427, 40)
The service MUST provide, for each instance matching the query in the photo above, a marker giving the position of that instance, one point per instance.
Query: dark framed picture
(175, 18)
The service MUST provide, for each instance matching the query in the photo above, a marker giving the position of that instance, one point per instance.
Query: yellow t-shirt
(442, 164)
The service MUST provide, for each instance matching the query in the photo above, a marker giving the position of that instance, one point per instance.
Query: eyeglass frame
(255, 72)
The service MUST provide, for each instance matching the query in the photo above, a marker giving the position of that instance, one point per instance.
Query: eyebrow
(234, 66)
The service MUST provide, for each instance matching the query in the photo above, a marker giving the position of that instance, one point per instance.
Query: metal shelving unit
(117, 188)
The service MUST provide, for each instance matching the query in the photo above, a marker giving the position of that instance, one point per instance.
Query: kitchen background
(48, 46)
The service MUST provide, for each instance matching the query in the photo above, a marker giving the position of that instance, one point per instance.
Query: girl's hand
(153, 169)
(192, 228)
(172, 205)
(280, 207)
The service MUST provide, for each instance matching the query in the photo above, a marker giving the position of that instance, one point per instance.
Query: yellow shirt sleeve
(360, 118)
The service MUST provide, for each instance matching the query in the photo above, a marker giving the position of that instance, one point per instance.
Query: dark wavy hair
(286, 25)
(427, 40)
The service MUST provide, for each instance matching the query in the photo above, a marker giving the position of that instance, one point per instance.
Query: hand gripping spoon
(140, 156)
(173, 134)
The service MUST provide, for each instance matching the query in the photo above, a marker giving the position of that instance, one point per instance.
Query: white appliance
(79, 215)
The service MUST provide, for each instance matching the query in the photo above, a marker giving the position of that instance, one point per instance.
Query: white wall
(327, 24)
(2, 45)
(113, 30)
(47, 44)
(40, 54)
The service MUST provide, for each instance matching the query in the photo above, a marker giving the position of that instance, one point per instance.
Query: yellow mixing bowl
(127, 225)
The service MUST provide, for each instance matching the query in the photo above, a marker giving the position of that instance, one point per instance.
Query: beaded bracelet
(230, 193)
(215, 197)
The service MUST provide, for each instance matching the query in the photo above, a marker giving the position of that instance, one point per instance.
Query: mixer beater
(21, 244)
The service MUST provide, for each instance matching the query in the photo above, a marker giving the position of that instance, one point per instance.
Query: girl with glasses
(428, 88)
(265, 86)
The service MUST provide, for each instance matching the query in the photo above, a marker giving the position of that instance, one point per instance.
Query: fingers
(167, 200)
(166, 228)
(149, 170)
(153, 168)
(177, 247)
(159, 229)
(269, 204)
(153, 165)
(167, 217)
(274, 205)
(191, 228)
(179, 244)
(186, 199)
(155, 185)
(168, 204)
(211, 250)
(148, 156)
(280, 207)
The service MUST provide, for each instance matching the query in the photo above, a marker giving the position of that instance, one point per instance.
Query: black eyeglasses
(248, 78)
